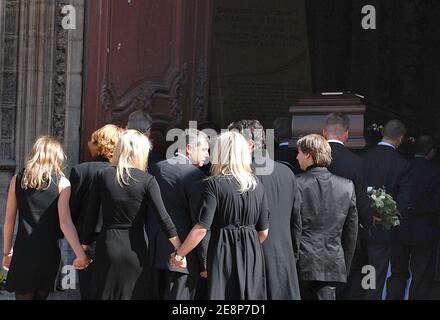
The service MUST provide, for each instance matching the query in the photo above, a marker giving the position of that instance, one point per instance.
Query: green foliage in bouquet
(2, 281)
(385, 206)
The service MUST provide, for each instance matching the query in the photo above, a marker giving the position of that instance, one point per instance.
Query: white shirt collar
(282, 144)
(335, 141)
(182, 155)
(386, 144)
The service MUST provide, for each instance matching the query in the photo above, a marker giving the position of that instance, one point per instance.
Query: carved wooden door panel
(145, 54)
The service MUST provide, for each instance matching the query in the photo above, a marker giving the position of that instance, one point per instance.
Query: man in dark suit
(283, 153)
(329, 222)
(348, 165)
(420, 231)
(385, 167)
(178, 179)
(282, 244)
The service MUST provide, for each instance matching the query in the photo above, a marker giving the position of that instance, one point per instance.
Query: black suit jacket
(288, 156)
(421, 228)
(179, 185)
(81, 179)
(386, 167)
(348, 165)
(281, 247)
(329, 226)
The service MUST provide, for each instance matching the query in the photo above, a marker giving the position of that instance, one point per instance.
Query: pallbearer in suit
(282, 195)
(178, 178)
(283, 153)
(329, 222)
(385, 167)
(125, 192)
(101, 146)
(420, 233)
(348, 165)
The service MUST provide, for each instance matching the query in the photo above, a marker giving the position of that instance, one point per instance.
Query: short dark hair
(139, 120)
(251, 130)
(394, 130)
(424, 145)
(337, 123)
(209, 125)
(282, 128)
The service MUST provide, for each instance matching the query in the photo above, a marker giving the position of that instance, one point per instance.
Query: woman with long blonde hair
(126, 193)
(234, 209)
(41, 194)
(101, 146)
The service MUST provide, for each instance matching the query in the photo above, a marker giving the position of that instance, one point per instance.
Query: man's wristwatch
(178, 257)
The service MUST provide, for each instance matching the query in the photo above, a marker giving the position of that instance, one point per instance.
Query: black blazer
(329, 226)
(287, 155)
(348, 165)
(421, 228)
(282, 244)
(386, 167)
(179, 186)
(81, 178)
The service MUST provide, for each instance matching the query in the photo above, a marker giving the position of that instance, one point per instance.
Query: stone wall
(41, 68)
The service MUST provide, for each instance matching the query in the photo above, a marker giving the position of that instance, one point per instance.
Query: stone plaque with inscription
(260, 59)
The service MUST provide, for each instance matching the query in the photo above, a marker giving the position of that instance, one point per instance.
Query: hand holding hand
(82, 263)
(204, 274)
(178, 264)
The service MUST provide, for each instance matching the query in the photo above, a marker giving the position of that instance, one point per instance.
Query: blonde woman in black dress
(126, 194)
(41, 194)
(235, 210)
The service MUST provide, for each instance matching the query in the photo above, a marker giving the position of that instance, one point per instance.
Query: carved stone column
(9, 13)
(40, 81)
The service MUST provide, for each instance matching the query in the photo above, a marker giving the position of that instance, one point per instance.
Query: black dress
(122, 268)
(37, 256)
(235, 257)
(81, 178)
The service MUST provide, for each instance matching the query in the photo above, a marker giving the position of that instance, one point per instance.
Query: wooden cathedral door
(145, 54)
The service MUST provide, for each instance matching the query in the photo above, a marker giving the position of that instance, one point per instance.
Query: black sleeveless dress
(37, 256)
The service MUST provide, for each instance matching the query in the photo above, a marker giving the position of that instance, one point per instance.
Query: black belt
(122, 226)
(235, 227)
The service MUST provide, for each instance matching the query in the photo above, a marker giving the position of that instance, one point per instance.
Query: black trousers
(379, 257)
(352, 290)
(421, 261)
(317, 290)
